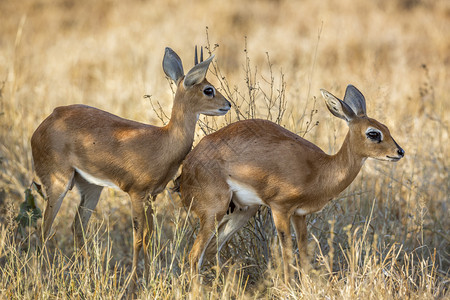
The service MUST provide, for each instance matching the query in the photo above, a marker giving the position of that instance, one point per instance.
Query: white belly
(97, 181)
(307, 210)
(301, 212)
(245, 195)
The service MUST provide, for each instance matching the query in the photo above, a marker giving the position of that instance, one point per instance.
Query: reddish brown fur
(286, 172)
(138, 158)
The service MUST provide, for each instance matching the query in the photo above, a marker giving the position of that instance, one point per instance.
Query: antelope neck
(181, 128)
(343, 167)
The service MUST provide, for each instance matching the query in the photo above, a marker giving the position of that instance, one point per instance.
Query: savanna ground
(385, 237)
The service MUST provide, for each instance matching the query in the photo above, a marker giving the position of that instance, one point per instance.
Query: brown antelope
(257, 162)
(90, 148)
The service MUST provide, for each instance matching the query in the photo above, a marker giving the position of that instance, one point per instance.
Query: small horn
(195, 58)
(201, 54)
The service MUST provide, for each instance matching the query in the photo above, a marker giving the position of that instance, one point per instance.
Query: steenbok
(90, 148)
(257, 162)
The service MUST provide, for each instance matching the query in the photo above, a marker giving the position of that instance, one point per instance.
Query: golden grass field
(385, 237)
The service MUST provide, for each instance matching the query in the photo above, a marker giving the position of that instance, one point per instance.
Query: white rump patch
(97, 181)
(246, 195)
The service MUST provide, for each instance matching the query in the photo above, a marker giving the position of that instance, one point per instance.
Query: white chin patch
(383, 158)
(215, 112)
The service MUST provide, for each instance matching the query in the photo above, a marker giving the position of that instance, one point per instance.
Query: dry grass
(387, 236)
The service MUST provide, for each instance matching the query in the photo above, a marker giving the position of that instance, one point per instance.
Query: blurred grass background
(108, 54)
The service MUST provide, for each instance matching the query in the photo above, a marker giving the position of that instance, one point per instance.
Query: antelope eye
(209, 91)
(374, 136)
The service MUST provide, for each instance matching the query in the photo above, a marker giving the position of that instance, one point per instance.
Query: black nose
(401, 152)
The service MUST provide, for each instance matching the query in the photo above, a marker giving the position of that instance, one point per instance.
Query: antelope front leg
(148, 230)
(282, 224)
(299, 224)
(90, 194)
(139, 224)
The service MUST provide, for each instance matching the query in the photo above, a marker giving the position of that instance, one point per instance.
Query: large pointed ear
(172, 65)
(197, 73)
(338, 107)
(355, 100)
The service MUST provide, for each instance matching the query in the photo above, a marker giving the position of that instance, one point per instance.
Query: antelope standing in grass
(90, 148)
(257, 162)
